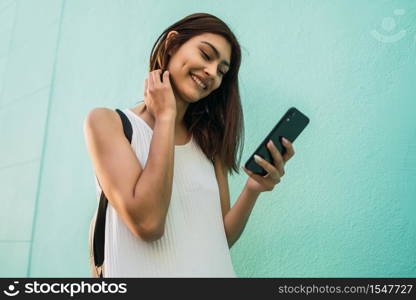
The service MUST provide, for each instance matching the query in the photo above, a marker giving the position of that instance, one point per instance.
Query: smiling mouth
(198, 82)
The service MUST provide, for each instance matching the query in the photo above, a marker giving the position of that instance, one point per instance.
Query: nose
(211, 70)
(210, 77)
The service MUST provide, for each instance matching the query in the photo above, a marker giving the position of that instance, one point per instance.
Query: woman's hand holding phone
(275, 171)
(266, 165)
(158, 94)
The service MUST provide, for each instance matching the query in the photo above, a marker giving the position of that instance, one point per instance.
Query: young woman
(169, 209)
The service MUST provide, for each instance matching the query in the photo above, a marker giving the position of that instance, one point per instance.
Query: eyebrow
(217, 54)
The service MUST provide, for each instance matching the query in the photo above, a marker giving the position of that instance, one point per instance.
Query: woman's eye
(208, 58)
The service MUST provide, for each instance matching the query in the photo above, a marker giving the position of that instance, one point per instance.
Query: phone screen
(289, 126)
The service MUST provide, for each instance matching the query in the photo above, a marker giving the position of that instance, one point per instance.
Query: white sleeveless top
(194, 243)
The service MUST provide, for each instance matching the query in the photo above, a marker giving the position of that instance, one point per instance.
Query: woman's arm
(235, 219)
(141, 201)
(153, 188)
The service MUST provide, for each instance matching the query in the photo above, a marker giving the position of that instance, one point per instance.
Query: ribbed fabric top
(194, 243)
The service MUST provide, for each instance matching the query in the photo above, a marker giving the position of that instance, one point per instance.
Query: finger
(277, 157)
(166, 77)
(256, 177)
(150, 81)
(290, 151)
(274, 176)
(248, 172)
(156, 77)
(264, 164)
(260, 179)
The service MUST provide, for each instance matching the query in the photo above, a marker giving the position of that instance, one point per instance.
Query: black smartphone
(290, 126)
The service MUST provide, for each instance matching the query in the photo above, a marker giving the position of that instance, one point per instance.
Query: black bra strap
(99, 229)
(128, 131)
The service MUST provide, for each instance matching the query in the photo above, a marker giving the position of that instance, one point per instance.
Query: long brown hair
(216, 122)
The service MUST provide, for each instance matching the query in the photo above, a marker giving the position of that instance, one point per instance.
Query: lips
(204, 81)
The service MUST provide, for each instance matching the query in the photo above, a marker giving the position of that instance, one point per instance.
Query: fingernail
(256, 157)
(272, 142)
(284, 140)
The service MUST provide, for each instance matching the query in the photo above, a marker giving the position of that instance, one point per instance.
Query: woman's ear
(171, 35)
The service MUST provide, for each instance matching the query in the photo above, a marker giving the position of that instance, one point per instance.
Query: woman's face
(206, 56)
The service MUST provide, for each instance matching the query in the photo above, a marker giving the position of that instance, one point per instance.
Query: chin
(194, 100)
(193, 97)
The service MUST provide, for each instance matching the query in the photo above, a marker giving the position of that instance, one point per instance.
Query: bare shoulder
(101, 116)
(103, 131)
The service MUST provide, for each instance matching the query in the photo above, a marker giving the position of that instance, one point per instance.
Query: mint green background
(346, 206)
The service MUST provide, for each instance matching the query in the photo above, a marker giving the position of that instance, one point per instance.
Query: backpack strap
(99, 229)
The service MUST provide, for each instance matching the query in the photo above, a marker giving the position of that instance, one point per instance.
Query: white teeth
(198, 81)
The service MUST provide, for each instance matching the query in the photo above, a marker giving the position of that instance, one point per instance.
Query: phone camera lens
(288, 119)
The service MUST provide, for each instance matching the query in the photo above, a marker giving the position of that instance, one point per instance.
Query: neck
(181, 107)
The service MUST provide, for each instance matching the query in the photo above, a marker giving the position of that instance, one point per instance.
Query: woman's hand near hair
(158, 95)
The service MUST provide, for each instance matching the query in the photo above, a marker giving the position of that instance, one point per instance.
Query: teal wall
(346, 206)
